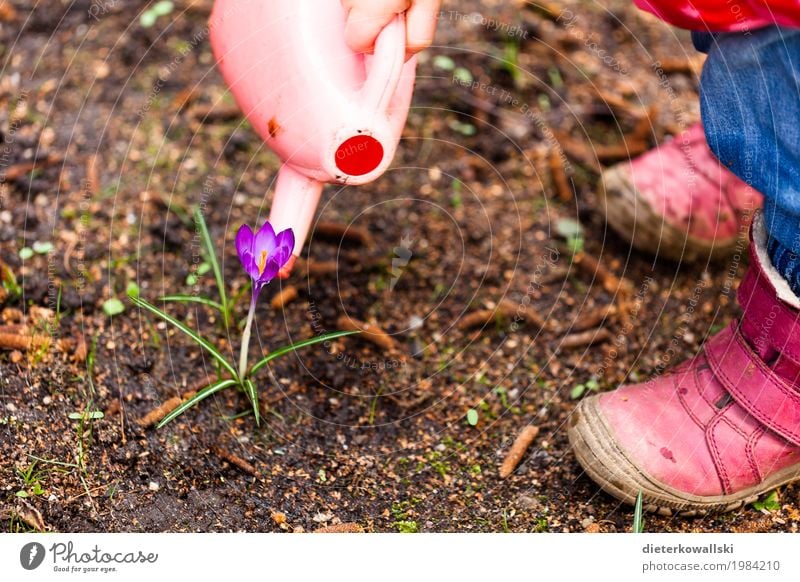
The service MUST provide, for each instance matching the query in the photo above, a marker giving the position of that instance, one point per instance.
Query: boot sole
(609, 466)
(632, 217)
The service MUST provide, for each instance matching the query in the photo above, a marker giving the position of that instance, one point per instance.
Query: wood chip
(284, 297)
(339, 231)
(236, 461)
(559, 175)
(19, 170)
(584, 338)
(594, 318)
(154, 416)
(93, 174)
(320, 268)
(12, 341)
(518, 450)
(506, 309)
(370, 332)
(630, 148)
(341, 528)
(7, 11)
(215, 113)
(610, 282)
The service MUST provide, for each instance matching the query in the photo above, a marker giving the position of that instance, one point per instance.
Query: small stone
(153, 486)
(47, 400)
(11, 407)
(16, 357)
(323, 517)
(587, 522)
(415, 322)
(592, 528)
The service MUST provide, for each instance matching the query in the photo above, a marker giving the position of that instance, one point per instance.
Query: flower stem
(246, 339)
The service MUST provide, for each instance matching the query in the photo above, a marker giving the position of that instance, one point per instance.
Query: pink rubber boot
(678, 201)
(719, 430)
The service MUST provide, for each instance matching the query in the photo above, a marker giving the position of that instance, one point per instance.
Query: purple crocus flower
(263, 253)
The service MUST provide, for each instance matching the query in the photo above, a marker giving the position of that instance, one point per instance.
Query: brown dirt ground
(147, 132)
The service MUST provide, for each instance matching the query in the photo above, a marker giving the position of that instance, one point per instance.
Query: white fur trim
(785, 292)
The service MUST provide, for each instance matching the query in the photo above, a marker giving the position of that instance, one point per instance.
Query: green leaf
(252, 394)
(132, 290)
(443, 62)
(577, 391)
(192, 299)
(190, 332)
(296, 346)
(638, 515)
(200, 396)
(768, 503)
(25, 253)
(148, 19)
(211, 257)
(42, 248)
(22, 494)
(463, 76)
(163, 7)
(113, 307)
(568, 228)
(472, 417)
(191, 279)
(203, 268)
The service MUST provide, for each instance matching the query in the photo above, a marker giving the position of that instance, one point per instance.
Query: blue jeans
(750, 101)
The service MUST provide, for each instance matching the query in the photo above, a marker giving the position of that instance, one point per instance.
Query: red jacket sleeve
(724, 15)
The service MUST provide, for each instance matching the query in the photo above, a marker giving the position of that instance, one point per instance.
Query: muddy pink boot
(719, 430)
(678, 202)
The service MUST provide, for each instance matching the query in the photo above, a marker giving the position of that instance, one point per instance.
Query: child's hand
(366, 18)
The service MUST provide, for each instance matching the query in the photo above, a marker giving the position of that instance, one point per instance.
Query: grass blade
(296, 346)
(192, 299)
(638, 515)
(201, 395)
(212, 258)
(252, 394)
(188, 331)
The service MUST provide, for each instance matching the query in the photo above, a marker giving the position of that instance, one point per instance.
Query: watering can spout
(293, 206)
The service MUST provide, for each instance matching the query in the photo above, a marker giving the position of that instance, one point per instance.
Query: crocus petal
(270, 270)
(285, 243)
(264, 241)
(250, 264)
(244, 240)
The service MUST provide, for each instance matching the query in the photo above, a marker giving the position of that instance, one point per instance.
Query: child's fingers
(421, 25)
(365, 20)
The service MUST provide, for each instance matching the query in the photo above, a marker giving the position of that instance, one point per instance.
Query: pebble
(11, 407)
(47, 400)
(415, 322)
(153, 486)
(322, 517)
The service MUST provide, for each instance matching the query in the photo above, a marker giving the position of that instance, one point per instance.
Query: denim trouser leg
(750, 99)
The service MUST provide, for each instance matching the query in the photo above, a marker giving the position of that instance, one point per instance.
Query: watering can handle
(385, 66)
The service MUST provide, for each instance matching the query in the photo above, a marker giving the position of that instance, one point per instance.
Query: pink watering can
(330, 114)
